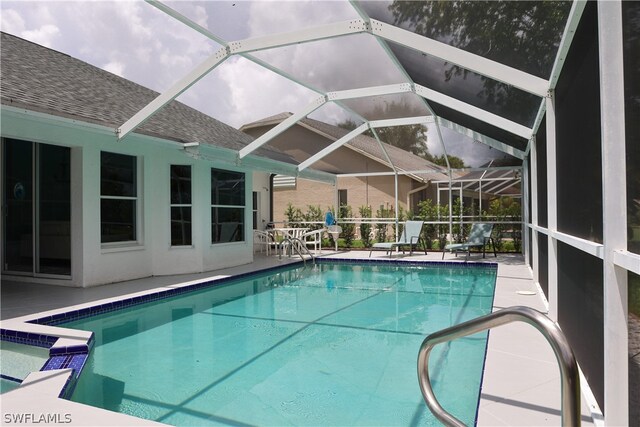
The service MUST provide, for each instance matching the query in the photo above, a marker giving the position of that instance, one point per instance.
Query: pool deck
(521, 384)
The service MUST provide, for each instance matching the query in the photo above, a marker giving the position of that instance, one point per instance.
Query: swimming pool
(329, 344)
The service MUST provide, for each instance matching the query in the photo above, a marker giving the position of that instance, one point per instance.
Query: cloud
(256, 92)
(12, 22)
(114, 67)
(42, 33)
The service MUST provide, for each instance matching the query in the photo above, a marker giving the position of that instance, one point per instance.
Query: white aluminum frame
(173, 92)
(334, 146)
(535, 258)
(381, 30)
(552, 207)
(282, 126)
(614, 215)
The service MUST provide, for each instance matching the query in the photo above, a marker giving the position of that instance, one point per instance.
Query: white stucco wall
(261, 183)
(94, 263)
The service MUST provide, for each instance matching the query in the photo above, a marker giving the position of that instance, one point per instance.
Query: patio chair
(411, 236)
(314, 238)
(264, 240)
(479, 236)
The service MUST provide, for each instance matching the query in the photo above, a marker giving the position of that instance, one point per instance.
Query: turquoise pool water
(17, 361)
(330, 344)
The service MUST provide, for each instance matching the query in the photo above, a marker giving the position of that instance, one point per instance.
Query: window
(118, 198)
(342, 198)
(227, 206)
(180, 205)
(255, 209)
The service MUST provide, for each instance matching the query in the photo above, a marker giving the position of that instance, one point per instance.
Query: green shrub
(293, 215)
(365, 227)
(314, 217)
(381, 228)
(348, 228)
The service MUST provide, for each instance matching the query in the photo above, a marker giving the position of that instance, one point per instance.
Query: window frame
(242, 207)
(255, 200)
(137, 199)
(181, 205)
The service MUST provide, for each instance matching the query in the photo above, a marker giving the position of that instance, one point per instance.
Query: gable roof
(401, 159)
(44, 80)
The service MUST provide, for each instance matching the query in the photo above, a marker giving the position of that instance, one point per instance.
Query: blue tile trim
(27, 338)
(156, 296)
(61, 318)
(10, 378)
(400, 262)
(75, 362)
(72, 349)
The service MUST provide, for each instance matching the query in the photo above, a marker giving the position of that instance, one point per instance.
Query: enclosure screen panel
(541, 151)
(363, 63)
(472, 88)
(523, 35)
(479, 126)
(543, 263)
(580, 312)
(579, 158)
(631, 28)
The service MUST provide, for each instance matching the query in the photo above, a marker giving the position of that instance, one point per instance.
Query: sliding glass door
(36, 208)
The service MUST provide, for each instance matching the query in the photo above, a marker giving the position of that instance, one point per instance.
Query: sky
(139, 42)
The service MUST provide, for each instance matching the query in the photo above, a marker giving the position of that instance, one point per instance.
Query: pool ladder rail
(296, 244)
(570, 379)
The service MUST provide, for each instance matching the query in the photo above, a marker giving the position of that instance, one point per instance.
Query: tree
(412, 138)
(522, 34)
(454, 161)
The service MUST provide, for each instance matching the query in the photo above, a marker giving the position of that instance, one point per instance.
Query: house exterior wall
(301, 143)
(375, 191)
(94, 263)
(369, 191)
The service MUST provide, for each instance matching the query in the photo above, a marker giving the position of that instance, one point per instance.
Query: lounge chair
(478, 238)
(410, 237)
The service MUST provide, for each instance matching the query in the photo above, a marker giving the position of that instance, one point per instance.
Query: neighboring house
(362, 153)
(81, 208)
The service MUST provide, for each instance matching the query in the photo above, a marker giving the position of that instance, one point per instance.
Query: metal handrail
(570, 379)
(297, 247)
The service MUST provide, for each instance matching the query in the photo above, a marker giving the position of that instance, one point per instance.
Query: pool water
(330, 344)
(17, 361)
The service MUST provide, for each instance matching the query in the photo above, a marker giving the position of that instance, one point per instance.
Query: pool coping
(69, 349)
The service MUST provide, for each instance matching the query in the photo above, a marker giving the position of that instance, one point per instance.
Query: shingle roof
(401, 159)
(44, 80)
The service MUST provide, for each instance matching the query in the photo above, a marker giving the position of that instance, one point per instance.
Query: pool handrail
(569, 374)
(299, 244)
